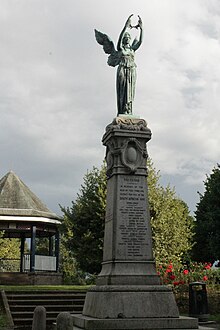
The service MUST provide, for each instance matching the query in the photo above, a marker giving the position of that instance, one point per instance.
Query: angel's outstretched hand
(128, 22)
(140, 24)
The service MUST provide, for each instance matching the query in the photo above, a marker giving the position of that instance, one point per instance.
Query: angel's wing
(105, 41)
(109, 48)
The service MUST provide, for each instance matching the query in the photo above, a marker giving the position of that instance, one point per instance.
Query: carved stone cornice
(128, 123)
(125, 139)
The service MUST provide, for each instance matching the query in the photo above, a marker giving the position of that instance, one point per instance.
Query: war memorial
(128, 293)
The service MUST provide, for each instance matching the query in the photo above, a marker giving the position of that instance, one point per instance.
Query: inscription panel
(132, 219)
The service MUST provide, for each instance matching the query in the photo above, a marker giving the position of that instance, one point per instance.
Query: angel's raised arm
(137, 42)
(127, 25)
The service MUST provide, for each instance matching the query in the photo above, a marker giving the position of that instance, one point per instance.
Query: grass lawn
(215, 318)
(3, 320)
(43, 287)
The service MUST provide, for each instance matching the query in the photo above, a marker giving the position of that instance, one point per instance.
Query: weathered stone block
(112, 302)
(39, 320)
(64, 321)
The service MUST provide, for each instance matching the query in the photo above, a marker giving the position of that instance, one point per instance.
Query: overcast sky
(57, 93)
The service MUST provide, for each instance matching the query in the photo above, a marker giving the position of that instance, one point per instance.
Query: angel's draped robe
(126, 80)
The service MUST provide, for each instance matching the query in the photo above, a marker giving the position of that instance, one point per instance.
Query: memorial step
(23, 303)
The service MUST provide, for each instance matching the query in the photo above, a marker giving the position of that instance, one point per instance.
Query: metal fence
(42, 263)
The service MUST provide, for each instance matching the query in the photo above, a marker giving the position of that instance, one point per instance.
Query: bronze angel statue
(124, 58)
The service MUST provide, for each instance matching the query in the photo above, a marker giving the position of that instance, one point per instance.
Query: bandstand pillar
(50, 245)
(33, 249)
(22, 253)
(57, 248)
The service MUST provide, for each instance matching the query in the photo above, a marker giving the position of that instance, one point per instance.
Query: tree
(171, 222)
(42, 245)
(83, 223)
(207, 226)
(9, 249)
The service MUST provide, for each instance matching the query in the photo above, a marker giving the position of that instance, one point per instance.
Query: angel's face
(127, 39)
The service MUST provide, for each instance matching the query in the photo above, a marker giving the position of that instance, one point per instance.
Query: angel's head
(126, 39)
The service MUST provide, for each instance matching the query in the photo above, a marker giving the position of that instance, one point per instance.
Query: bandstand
(25, 217)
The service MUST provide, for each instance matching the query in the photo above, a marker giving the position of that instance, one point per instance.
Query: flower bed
(179, 276)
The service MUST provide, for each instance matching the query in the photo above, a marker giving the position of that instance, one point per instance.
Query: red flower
(172, 277)
(185, 272)
(168, 270)
(181, 282)
(205, 278)
(170, 266)
(207, 266)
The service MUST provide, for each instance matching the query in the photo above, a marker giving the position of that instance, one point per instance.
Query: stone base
(130, 301)
(85, 322)
(128, 273)
(131, 307)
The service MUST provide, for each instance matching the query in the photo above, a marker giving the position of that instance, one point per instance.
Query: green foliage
(215, 318)
(207, 227)
(42, 245)
(44, 287)
(172, 225)
(9, 249)
(71, 274)
(83, 223)
(3, 320)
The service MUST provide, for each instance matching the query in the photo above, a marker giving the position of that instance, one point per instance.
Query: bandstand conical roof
(16, 199)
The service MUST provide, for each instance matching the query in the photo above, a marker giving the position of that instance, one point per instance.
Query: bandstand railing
(42, 263)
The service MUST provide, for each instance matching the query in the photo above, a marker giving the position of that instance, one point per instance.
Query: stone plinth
(130, 301)
(85, 322)
(128, 294)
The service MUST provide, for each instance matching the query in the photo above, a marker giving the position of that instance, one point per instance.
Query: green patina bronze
(124, 58)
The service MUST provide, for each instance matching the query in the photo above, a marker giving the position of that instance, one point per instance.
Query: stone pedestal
(128, 294)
